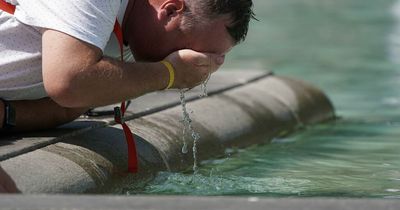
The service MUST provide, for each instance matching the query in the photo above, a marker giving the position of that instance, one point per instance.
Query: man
(53, 65)
(62, 43)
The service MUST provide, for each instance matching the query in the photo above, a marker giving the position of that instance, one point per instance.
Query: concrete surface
(55, 202)
(244, 108)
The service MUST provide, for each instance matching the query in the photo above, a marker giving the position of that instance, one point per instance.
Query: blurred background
(349, 48)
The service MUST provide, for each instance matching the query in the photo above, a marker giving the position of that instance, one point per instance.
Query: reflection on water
(351, 50)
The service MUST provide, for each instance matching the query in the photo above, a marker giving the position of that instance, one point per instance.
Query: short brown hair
(240, 11)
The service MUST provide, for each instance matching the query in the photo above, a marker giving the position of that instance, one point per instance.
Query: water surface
(349, 49)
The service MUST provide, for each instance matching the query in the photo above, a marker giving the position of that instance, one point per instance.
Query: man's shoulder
(90, 21)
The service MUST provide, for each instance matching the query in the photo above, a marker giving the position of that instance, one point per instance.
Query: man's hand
(192, 68)
(7, 185)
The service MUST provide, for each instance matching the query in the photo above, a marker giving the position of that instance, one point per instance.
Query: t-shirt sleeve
(90, 21)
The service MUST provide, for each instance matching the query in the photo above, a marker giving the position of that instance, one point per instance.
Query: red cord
(130, 141)
(7, 7)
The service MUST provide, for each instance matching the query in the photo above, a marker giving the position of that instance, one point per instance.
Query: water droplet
(204, 87)
(185, 148)
(195, 136)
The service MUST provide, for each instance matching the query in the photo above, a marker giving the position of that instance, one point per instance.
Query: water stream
(187, 124)
(188, 127)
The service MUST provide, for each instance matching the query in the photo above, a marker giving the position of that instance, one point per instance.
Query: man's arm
(7, 185)
(40, 114)
(75, 73)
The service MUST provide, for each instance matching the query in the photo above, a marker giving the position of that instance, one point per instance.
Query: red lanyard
(118, 112)
(7, 7)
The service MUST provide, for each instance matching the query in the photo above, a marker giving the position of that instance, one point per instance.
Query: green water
(345, 47)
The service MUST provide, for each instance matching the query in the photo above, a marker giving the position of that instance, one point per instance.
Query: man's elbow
(64, 93)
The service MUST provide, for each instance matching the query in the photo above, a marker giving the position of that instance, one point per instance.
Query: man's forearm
(40, 114)
(75, 73)
(7, 185)
(111, 81)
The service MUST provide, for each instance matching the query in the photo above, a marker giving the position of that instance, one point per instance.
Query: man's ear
(171, 8)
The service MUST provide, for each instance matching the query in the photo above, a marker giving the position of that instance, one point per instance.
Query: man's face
(212, 38)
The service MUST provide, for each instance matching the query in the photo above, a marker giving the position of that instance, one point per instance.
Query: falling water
(204, 87)
(188, 127)
(187, 124)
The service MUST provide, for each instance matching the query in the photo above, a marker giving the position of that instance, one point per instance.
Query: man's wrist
(2, 113)
(171, 71)
(9, 116)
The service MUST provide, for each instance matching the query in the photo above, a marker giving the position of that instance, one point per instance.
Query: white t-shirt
(21, 45)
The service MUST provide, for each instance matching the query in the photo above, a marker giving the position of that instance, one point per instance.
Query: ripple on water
(353, 157)
(188, 184)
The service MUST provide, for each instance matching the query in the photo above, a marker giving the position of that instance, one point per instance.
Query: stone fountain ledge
(243, 108)
(85, 202)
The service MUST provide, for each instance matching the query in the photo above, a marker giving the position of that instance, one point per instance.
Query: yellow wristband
(171, 71)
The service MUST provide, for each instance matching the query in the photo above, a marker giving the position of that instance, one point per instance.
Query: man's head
(156, 28)
(238, 12)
